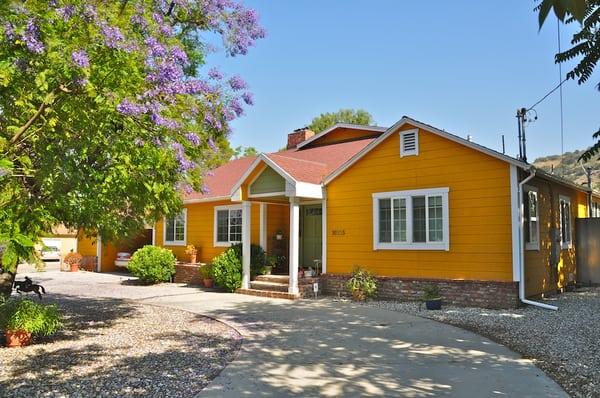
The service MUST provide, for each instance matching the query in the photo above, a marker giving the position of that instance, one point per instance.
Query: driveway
(327, 348)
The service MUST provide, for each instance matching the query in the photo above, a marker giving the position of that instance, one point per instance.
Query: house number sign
(339, 232)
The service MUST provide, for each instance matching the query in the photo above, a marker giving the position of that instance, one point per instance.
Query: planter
(74, 267)
(279, 236)
(193, 258)
(268, 270)
(434, 304)
(208, 282)
(17, 338)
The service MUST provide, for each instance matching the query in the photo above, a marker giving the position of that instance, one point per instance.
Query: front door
(312, 233)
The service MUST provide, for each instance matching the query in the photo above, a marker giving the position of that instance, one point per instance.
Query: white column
(294, 244)
(263, 226)
(246, 238)
(99, 253)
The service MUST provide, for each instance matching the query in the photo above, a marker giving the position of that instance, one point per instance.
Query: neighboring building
(412, 203)
(58, 244)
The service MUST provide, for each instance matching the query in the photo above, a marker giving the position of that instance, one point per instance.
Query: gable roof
(452, 137)
(375, 129)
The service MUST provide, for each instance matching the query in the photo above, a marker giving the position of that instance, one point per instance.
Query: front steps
(276, 286)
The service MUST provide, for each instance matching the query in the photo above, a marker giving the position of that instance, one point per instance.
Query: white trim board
(215, 222)
(176, 242)
(515, 216)
(406, 120)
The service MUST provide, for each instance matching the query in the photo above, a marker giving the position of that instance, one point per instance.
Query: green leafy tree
(585, 44)
(244, 151)
(108, 112)
(350, 116)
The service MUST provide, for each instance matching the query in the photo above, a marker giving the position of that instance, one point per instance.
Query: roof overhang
(336, 126)
(406, 120)
(293, 187)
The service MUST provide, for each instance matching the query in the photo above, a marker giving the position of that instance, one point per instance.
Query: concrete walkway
(333, 349)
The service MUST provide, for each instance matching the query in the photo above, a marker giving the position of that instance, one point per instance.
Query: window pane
(532, 204)
(170, 230)
(222, 225)
(527, 211)
(533, 232)
(436, 233)
(568, 221)
(235, 225)
(399, 220)
(419, 230)
(385, 220)
(180, 227)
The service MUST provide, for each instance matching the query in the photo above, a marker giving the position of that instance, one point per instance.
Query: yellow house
(414, 204)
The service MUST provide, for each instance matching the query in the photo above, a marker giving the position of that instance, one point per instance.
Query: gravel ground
(113, 347)
(565, 344)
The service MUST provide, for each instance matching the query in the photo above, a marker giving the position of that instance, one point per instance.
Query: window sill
(175, 243)
(532, 247)
(443, 246)
(224, 244)
(567, 246)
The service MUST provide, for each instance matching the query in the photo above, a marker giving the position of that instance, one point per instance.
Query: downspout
(522, 248)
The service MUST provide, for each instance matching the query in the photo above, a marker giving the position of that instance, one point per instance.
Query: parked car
(50, 253)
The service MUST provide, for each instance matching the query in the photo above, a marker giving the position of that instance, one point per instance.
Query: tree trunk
(6, 284)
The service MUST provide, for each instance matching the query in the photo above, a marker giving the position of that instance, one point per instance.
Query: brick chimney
(298, 136)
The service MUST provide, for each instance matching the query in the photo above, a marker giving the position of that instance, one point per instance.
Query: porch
(302, 240)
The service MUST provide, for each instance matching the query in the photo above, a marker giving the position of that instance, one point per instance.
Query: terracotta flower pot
(193, 258)
(358, 295)
(208, 282)
(17, 338)
(74, 267)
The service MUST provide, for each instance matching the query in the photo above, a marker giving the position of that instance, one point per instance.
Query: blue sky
(463, 66)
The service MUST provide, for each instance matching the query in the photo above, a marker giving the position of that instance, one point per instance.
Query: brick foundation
(485, 294)
(188, 273)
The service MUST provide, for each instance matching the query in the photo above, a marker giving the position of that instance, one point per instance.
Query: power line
(547, 95)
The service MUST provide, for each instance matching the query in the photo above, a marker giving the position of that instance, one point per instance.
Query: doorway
(311, 235)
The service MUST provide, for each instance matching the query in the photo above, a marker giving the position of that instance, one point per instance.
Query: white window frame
(217, 243)
(595, 209)
(404, 153)
(533, 245)
(565, 244)
(409, 244)
(175, 242)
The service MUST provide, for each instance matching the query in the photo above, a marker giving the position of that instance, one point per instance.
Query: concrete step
(273, 278)
(267, 293)
(271, 286)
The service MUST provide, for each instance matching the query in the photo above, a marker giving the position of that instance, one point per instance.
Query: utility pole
(521, 114)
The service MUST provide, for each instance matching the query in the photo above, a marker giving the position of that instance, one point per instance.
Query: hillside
(569, 168)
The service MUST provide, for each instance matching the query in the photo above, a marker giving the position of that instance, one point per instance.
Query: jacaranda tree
(108, 111)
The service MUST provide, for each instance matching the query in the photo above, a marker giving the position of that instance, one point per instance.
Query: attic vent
(409, 143)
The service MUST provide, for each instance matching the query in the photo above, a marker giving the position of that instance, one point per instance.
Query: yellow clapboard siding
(479, 207)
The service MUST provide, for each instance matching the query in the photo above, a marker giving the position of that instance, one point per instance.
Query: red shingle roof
(306, 165)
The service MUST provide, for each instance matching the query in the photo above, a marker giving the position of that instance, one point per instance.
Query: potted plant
(362, 284)
(432, 297)
(20, 318)
(270, 263)
(191, 251)
(279, 235)
(206, 274)
(73, 260)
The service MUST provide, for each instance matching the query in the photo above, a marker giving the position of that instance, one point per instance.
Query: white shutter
(409, 143)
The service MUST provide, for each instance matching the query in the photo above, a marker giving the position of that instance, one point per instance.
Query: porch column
(263, 226)
(294, 244)
(246, 237)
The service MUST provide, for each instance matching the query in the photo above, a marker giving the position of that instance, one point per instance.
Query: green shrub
(30, 316)
(362, 284)
(153, 264)
(431, 292)
(206, 271)
(227, 266)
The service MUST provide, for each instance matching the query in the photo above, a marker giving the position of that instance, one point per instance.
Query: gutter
(522, 248)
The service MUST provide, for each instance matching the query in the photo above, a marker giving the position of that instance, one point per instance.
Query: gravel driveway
(565, 344)
(115, 347)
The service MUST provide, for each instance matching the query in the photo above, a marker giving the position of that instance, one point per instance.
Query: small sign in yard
(316, 288)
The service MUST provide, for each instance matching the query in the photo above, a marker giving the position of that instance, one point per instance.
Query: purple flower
(187, 188)
(128, 108)
(161, 121)
(80, 58)
(212, 145)
(112, 35)
(184, 163)
(89, 13)
(205, 189)
(9, 31)
(237, 83)
(155, 47)
(193, 139)
(248, 98)
(31, 37)
(81, 82)
(235, 106)
(179, 55)
(139, 142)
(66, 12)
(215, 74)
